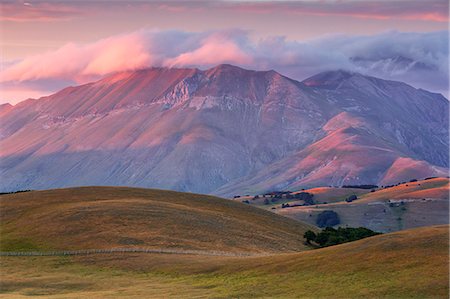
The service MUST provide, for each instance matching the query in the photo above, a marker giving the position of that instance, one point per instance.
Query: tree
(310, 236)
(351, 198)
(328, 218)
(330, 236)
(306, 197)
(361, 186)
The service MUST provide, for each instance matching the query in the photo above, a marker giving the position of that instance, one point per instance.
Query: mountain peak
(229, 68)
(220, 130)
(226, 66)
(226, 69)
(329, 78)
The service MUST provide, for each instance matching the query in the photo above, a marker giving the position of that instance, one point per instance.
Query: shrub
(360, 186)
(310, 236)
(306, 197)
(14, 192)
(351, 198)
(328, 218)
(330, 236)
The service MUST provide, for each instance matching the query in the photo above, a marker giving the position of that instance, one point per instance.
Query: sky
(48, 45)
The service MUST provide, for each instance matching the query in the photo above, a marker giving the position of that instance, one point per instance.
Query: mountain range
(225, 131)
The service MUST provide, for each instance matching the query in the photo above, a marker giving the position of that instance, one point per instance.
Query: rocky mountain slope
(225, 130)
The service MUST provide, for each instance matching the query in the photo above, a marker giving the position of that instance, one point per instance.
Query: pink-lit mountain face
(225, 130)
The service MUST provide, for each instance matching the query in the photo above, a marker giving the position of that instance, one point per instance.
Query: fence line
(125, 250)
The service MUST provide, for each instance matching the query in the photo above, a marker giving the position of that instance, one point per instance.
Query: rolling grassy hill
(437, 188)
(409, 205)
(109, 217)
(322, 195)
(407, 264)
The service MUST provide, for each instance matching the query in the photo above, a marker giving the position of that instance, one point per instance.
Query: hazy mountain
(225, 130)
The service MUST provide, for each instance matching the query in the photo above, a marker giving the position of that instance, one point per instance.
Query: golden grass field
(406, 264)
(105, 217)
(433, 188)
(321, 195)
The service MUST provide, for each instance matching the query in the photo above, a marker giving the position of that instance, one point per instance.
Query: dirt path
(126, 250)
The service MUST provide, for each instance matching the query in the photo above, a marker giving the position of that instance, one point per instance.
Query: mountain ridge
(193, 130)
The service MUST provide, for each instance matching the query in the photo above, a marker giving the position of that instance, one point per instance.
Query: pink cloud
(83, 62)
(422, 57)
(215, 49)
(141, 49)
(127, 52)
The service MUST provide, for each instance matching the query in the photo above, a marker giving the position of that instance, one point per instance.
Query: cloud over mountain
(417, 58)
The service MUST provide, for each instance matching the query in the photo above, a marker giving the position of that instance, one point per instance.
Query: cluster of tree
(330, 236)
(401, 183)
(14, 192)
(351, 198)
(286, 205)
(327, 218)
(307, 197)
(430, 178)
(278, 194)
(238, 196)
(361, 186)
